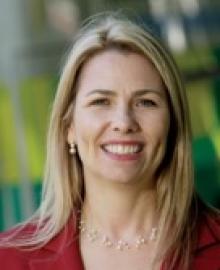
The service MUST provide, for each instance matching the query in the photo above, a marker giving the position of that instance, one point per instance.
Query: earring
(72, 149)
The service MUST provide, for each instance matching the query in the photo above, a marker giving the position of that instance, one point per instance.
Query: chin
(122, 179)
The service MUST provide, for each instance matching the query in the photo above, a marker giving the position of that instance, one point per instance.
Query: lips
(123, 148)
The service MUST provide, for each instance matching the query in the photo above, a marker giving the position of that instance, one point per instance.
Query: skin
(120, 97)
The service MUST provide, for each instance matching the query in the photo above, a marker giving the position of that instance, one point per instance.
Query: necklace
(94, 235)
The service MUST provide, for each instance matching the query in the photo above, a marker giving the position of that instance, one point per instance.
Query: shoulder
(12, 258)
(61, 252)
(207, 251)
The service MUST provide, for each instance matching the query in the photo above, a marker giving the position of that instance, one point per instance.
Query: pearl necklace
(93, 235)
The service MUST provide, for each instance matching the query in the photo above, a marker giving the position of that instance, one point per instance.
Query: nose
(125, 122)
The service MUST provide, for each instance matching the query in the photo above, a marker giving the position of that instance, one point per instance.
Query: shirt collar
(209, 231)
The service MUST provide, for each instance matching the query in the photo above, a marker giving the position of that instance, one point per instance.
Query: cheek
(157, 126)
(161, 136)
(163, 123)
(84, 137)
(163, 129)
(87, 131)
(156, 136)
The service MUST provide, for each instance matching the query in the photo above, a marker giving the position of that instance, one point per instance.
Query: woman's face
(121, 118)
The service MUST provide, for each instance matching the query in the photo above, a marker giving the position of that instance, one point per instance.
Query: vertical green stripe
(16, 193)
(37, 191)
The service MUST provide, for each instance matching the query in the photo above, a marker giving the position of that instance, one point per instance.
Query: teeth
(122, 149)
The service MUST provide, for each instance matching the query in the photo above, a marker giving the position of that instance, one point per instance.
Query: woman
(118, 190)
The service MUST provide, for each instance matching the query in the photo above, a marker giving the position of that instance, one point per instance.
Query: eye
(146, 103)
(100, 101)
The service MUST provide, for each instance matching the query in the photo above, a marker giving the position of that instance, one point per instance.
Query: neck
(119, 210)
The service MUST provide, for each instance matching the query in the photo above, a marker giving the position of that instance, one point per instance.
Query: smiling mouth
(123, 149)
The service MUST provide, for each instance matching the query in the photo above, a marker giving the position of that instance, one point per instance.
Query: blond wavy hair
(63, 182)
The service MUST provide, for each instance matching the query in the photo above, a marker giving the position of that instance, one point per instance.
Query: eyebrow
(137, 93)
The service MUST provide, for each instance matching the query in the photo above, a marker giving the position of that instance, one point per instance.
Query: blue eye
(146, 103)
(100, 101)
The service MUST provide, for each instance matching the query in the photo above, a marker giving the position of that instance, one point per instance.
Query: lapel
(61, 253)
(209, 234)
(208, 237)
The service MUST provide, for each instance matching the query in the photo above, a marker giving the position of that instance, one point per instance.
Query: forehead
(118, 70)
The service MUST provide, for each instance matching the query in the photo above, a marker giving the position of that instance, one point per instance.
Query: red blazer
(62, 253)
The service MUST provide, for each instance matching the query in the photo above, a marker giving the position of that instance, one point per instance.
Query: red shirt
(62, 253)
(207, 253)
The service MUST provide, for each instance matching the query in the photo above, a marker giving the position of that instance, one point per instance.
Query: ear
(70, 134)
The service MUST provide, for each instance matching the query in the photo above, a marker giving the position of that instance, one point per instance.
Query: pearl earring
(72, 149)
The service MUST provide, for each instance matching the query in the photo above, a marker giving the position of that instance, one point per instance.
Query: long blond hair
(63, 181)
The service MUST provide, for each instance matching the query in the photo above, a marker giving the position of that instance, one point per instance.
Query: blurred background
(35, 35)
